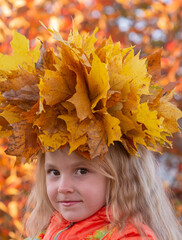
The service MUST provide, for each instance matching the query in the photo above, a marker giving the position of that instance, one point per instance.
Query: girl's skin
(75, 187)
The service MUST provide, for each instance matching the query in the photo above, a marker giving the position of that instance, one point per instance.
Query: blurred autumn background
(149, 24)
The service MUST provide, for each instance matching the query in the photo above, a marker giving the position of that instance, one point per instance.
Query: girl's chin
(77, 217)
(72, 219)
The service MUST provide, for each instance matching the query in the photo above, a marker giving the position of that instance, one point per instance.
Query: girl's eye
(53, 172)
(81, 171)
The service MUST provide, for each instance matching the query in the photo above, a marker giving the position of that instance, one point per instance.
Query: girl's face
(75, 186)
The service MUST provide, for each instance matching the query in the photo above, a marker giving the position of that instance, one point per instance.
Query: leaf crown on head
(86, 95)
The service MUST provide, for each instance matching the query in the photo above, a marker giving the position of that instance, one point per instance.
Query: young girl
(119, 198)
(91, 115)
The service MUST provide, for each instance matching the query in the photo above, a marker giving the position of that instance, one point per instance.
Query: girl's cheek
(51, 188)
(51, 193)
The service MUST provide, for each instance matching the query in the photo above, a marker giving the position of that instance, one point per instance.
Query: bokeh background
(149, 24)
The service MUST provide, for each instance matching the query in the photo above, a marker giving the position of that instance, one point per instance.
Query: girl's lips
(69, 203)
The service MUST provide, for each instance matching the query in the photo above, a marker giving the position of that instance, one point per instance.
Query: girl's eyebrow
(72, 165)
(82, 164)
(49, 165)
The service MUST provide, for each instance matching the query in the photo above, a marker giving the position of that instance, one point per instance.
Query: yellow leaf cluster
(87, 95)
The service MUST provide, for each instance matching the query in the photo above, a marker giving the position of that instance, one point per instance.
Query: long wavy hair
(134, 192)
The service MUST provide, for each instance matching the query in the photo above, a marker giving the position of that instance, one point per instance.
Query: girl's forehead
(63, 157)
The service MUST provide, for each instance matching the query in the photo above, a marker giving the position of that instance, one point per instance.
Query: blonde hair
(38, 207)
(134, 192)
(137, 193)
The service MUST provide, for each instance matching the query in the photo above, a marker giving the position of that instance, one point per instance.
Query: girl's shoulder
(131, 232)
(38, 237)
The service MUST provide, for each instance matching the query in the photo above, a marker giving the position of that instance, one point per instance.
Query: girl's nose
(65, 185)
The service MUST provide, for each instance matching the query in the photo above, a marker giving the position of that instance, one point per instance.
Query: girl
(91, 114)
(119, 198)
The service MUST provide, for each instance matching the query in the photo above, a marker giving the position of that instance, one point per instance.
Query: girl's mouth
(69, 203)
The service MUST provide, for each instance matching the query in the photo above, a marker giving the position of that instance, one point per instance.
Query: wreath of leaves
(85, 94)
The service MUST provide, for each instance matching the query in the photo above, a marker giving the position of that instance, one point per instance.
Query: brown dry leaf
(113, 98)
(154, 65)
(131, 100)
(31, 115)
(69, 107)
(17, 80)
(47, 60)
(3, 122)
(23, 98)
(170, 113)
(48, 121)
(22, 138)
(17, 139)
(96, 139)
(32, 146)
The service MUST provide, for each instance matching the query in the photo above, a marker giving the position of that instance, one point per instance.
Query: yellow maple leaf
(106, 50)
(74, 126)
(88, 42)
(150, 119)
(126, 123)
(80, 99)
(135, 68)
(98, 81)
(75, 38)
(77, 130)
(54, 141)
(12, 114)
(74, 144)
(51, 84)
(6, 133)
(21, 56)
(112, 128)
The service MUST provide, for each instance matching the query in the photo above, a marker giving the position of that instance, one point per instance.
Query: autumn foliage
(153, 26)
